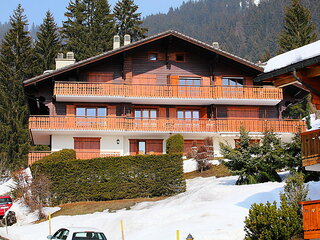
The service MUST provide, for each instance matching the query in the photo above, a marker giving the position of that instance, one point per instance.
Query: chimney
(215, 45)
(116, 42)
(63, 62)
(127, 39)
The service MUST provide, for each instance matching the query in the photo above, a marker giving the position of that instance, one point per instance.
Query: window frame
(153, 53)
(235, 79)
(91, 116)
(183, 54)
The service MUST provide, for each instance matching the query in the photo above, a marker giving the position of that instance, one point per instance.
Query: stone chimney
(116, 42)
(127, 39)
(215, 45)
(63, 62)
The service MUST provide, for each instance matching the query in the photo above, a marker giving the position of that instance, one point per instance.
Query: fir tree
(271, 157)
(47, 45)
(298, 28)
(128, 21)
(15, 55)
(89, 29)
(241, 160)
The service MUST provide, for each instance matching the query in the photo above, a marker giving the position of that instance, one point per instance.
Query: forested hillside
(240, 26)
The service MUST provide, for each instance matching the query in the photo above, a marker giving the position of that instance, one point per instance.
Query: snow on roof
(299, 54)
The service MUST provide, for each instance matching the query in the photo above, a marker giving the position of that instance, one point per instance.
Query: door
(87, 148)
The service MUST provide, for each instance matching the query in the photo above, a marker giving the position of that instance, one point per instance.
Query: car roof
(82, 229)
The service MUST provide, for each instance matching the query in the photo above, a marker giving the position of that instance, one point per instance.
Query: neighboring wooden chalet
(131, 99)
(302, 66)
(305, 71)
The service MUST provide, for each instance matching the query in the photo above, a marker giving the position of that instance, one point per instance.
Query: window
(91, 112)
(180, 57)
(188, 114)
(145, 113)
(232, 81)
(153, 57)
(190, 81)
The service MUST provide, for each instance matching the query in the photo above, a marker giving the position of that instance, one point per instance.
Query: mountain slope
(240, 26)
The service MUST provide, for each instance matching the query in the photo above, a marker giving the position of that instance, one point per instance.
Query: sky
(35, 9)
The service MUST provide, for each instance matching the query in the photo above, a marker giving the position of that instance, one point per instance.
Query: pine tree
(15, 59)
(89, 29)
(128, 21)
(47, 45)
(298, 28)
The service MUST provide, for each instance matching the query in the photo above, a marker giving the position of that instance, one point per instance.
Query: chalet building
(302, 66)
(129, 100)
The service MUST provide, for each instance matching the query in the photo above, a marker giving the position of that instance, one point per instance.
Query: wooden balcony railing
(37, 155)
(165, 91)
(310, 142)
(122, 124)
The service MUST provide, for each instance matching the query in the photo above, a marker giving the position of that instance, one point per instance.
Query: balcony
(188, 95)
(311, 150)
(41, 126)
(37, 155)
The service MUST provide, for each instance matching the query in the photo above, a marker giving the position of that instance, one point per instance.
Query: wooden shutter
(218, 80)
(205, 81)
(70, 110)
(162, 112)
(99, 76)
(154, 146)
(204, 112)
(133, 146)
(174, 80)
(87, 148)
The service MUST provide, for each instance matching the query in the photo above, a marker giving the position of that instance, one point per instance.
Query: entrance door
(87, 148)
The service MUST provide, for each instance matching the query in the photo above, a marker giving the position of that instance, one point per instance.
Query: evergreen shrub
(62, 155)
(113, 177)
(175, 144)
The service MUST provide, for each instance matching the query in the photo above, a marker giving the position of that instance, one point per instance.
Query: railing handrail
(168, 85)
(169, 119)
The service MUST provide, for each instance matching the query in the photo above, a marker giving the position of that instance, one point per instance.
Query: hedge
(113, 177)
(64, 154)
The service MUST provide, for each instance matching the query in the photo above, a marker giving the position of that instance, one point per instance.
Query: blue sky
(35, 9)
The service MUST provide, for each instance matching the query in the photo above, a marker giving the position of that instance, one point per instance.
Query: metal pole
(6, 221)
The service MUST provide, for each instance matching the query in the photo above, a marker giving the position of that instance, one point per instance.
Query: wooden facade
(159, 86)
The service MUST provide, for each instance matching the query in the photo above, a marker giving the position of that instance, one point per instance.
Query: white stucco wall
(108, 143)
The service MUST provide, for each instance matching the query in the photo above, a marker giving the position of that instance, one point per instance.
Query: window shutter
(70, 110)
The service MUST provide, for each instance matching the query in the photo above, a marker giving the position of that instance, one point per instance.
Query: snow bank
(293, 56)
(211, 208)
(315, 123)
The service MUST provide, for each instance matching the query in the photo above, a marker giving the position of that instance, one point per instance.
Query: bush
(65, 154)
(113, 177)
(202, 159)
(175, 144)
(268, 222)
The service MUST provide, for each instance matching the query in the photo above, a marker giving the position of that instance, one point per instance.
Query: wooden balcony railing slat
(165, 91)
(162, 124)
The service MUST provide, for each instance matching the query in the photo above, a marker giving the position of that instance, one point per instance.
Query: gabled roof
(139, 43)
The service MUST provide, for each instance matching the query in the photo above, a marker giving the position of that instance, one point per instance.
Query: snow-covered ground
(293, 56)
(210, 209)
(190, 165)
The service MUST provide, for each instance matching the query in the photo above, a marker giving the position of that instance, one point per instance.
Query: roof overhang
(133, 45)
